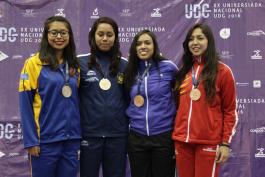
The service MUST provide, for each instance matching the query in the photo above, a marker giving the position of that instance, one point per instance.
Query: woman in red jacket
(206, 117)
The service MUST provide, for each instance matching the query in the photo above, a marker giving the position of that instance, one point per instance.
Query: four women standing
(205, 121)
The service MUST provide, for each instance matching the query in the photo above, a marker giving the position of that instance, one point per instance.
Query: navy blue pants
(110, 152)
(58, 159)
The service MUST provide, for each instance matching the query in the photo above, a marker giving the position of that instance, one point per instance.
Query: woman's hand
(34, 151)
(222, 154)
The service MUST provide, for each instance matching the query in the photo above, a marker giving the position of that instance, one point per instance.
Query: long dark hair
(115, 50)
(211, 56)
(132, 68)
(48, 53)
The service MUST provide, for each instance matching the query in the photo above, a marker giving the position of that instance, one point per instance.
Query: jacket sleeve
(27, 88)
(228, 96)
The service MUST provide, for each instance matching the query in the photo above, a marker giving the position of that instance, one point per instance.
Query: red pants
(196, 160)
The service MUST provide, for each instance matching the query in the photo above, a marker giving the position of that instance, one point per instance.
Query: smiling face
(58, 35)
(145, 47)
(198, 42)
(104, 37)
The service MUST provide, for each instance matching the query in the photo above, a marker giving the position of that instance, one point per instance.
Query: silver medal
(66, 91)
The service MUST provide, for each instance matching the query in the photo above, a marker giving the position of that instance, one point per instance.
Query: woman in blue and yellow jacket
(48, 99)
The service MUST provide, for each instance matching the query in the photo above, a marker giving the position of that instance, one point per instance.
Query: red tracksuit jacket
(200, 122)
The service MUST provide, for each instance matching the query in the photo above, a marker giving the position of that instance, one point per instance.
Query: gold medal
(138, 100)
(195, 94)
(66, 91)
(104, 84)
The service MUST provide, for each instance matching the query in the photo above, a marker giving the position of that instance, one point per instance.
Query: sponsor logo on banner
(260, 153)
(10, 130)
(3, 56)
(95, 14)
(259, 130)
(197, 10)
(225, 54)
(225, 33)
(8, 34)
(242, 84)
(256, 55)
(29, 13)
(17, 57)
(60, 12)
(256, 83)
(256, 33)
(13, 154)
(125, 13)
(2, 154)
(156, 13)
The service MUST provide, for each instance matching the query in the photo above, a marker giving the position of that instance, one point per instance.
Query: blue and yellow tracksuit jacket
(46, 115)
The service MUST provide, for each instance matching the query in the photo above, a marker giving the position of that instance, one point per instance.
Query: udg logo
(6, 131)
(8, 34)
(197, 10)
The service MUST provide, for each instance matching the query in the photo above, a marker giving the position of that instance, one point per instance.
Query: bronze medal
(66, 91)
(138, 100)
(104, 84)
(195, 94)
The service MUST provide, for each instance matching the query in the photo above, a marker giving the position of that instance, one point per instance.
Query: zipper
(190, 111)
(147, 100)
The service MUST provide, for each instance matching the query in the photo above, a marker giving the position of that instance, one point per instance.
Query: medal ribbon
(142, 77)
(195, 82)
(66, 75)
(99, 68)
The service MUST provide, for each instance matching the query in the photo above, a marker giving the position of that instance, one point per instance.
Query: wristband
(226, 145)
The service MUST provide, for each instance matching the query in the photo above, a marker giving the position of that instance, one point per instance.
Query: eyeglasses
(54, 33)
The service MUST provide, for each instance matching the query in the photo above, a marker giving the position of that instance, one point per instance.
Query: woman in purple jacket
(150, 79)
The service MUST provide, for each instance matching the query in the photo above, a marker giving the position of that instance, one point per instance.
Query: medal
(138, 100)
(104, 84)
(195, 94)
(66, 91)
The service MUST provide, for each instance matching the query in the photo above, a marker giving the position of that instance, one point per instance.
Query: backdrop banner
(239, 30)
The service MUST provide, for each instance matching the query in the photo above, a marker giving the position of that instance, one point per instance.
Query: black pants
(110, 152)
(151, 156)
